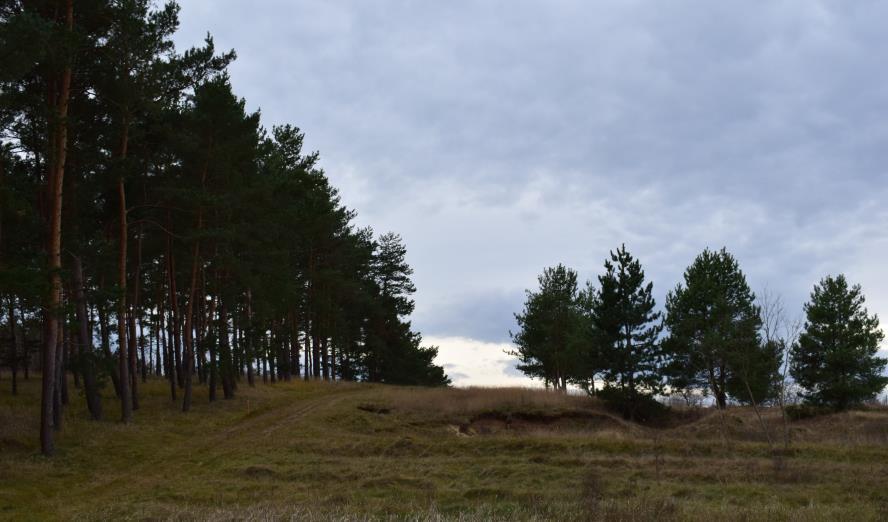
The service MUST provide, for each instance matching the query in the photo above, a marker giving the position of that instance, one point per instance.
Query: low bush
(640, 408)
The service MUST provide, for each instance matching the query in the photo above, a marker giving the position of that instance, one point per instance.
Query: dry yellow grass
(469, 401)
(320, 451)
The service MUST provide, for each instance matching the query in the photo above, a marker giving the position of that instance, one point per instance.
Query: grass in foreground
(316, 451)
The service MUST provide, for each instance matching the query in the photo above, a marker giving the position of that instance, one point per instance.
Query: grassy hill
(312, 450)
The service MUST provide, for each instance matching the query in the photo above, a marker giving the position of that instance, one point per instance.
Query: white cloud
(470, 362)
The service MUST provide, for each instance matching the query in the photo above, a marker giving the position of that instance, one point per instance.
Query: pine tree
(392, 273)
(835, 358)
(394, 352)
(713, 322)
(754, 376)
(626, 328)
(37, 91)
(550, 327)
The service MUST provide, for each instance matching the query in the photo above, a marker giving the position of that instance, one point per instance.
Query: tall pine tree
(627, 328)
(712, 321)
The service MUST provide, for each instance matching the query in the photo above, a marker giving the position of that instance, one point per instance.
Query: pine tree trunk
(248, 355)
(126, 398)
(211, 340)
(315, 351)
(189, 308)
(264, 368)
(157, 329)
(58, 92)
(325, 358)
(69, 353)
(189, 313)
(294, 344)
(200, 346)
(105, 333)
(169, 357)
(65, 341)
(175, 335)
(332, 360)
(57, 404)
(13, 345)
(146, 363)
(137, 316)
(235, 344)
(85, 351)
(717, 383)
(306, 363)
(132, 352)
(225, 352)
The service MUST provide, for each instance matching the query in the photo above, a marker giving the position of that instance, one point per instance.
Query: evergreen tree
(394, 353)
(36, 93)
(754, 376)
(835, 358)
(626, 329)
(392, 273)
(713, 324)
(550, 328)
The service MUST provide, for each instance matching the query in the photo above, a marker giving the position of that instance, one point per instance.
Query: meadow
(321, 451)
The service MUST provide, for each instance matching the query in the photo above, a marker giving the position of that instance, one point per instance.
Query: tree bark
(294, 343)
(13, 345)
(248, 345)
(225, 351)
(57, 403)
(169, 358)
(65, 341)
(189, 308)
(58, 92)
(306, 363)
(133, 348)
(126, 399)
(135, 316)
(315, 351)
(188, 356)
(212, 345)
(105, 333)
(325, 358)
(174, 345)
(85, 352)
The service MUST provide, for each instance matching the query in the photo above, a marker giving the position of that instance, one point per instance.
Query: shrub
(638, 407)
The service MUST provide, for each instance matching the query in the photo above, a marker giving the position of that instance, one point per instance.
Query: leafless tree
(778, 328)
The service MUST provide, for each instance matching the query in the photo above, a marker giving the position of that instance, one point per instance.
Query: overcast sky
(501, 137)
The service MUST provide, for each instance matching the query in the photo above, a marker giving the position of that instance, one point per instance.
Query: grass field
(311, 450)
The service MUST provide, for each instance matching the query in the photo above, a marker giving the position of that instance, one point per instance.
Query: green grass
(316, 451)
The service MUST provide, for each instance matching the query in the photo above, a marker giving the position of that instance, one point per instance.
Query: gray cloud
(501, 137)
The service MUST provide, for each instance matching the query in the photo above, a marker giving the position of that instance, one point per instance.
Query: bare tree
(778, 328)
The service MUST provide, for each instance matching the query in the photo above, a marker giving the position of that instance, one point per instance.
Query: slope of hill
(312, 450)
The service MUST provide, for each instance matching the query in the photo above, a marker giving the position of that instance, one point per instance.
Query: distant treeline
(716, 338)
(150, 225)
